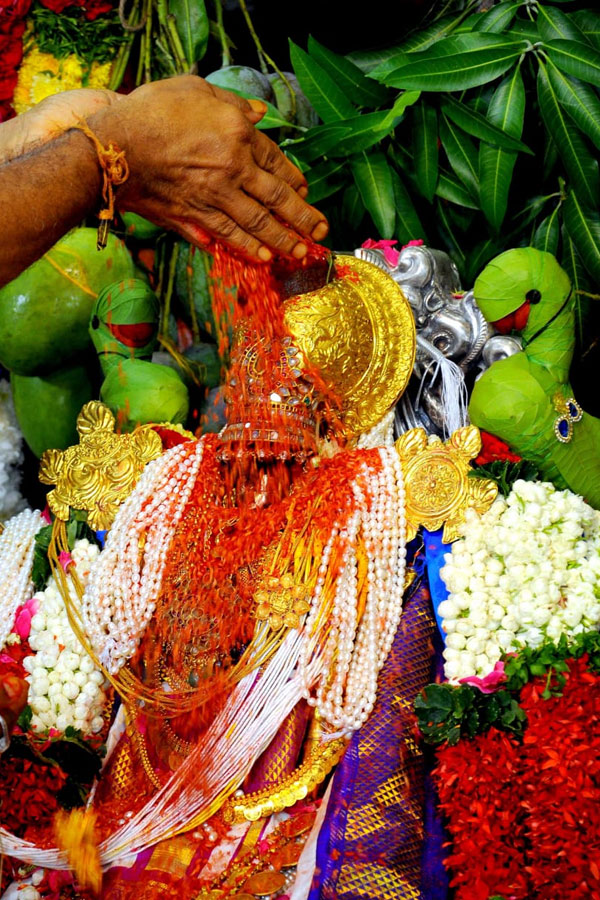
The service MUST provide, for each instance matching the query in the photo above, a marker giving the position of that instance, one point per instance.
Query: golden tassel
(75, 833)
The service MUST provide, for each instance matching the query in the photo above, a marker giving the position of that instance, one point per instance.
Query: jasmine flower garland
(66, 688)
(11, 456)
(525, 571)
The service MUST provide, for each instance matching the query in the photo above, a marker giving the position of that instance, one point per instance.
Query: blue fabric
(435, 551)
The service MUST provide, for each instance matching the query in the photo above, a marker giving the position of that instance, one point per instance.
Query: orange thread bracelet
(115, 171)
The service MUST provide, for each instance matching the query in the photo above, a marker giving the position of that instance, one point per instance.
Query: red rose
(59, 6)
(11, 54)
(95, 8)
(6, 111)
(12, 12)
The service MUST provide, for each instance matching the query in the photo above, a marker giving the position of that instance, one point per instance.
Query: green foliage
(77, 528)
(447, 713)
(70, 32)
(505, 473)
(496, 146)
(192, 27)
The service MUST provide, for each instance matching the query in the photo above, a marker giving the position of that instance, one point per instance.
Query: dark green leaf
(576, 59)
(583, 226)
(462, 155)
(588, 21)
(364, 131)
(547, 233)
(24, 720)
(367, 60)
(427, 37)
(317, 141)
(396, 58)
(425, 148)
(524, 28)
(457, 63)
(478, 126)
(505, 473)
(498, 18)
(554, 24)
(581, 167)
(408, 224)
(449, 188)
(550, 157)
(191, 22)
(507, 112)
(347, 76)
(573, 266)
(373, 178)
(353, 209)
(329, 100)
(579, 100)
(394, 115)
(41, 567)
(479, 256)
(447, 234)
(324, 180)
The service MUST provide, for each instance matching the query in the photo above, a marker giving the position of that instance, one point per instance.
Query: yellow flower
(41, 75)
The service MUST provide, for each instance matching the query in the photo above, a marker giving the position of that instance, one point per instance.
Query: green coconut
(139, 392)
(45, 311)
(47, 406)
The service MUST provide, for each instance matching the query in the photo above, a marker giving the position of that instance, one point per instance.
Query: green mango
(242, 78)
(47, 406)
(139, 392)
(45, 311)
(304, 114)
(139, 228)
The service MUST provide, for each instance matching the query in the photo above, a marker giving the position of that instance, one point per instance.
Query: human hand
(50, 118)
(198, 166)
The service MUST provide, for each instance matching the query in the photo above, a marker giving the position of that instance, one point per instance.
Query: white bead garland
(355, 650)
(120, 596)
(17, 545)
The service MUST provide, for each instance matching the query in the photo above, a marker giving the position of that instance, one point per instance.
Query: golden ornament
(359, 331)
(281, 601)
(98, 473)
(436, 475)
(263, 884)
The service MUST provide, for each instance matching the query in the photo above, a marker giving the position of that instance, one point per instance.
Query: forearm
(42, 196)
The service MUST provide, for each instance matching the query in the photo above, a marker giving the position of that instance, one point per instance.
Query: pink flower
(490, 683)
(390, 253)
(23, 617)
(65, 559)
(418, 243)
(264, 846)
(46, 515)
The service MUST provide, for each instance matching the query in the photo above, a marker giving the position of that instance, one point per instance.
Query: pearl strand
(355, 650)
(17, 546)
(120, 596)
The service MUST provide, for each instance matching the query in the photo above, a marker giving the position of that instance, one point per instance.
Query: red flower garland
(524, 817)
(12, 26)
(492, 449)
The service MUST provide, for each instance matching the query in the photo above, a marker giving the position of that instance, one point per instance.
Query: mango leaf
(571, 262)
(579, 100)
(524, 28)
(317, 141)
(506, 111)
(581, 167)
(457, 63)
(425, 148)
(423, 38)
(407, 98)
(408, 224)
(324, 180)
(364, 91)
(450, 188)
(479, 256)
(364, 131)
(353, 209)
(478, 126)
(193, 27)
(550, 156)
(576, 59)
(461, 153)
(373, 178)
(554, 24)
(329, 100)
(547, 233)
(396, 58)
(498, 18)
(588, 20)
(368, 60)
(447, 233)
(583, 226)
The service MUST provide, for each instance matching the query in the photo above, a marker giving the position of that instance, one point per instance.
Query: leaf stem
(225, 54)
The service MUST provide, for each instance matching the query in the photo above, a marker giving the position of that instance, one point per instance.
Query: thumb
(257, 110)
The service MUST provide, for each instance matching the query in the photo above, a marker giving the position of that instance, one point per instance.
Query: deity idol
(253, 611)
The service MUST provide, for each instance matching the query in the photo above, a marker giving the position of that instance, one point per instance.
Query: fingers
(276, 195)
(254, 110)
(255, 219)
(268, 156)
(225, 229)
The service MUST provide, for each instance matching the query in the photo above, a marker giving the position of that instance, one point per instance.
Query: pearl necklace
(124, 583)
(17, 546)
(354, 649)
